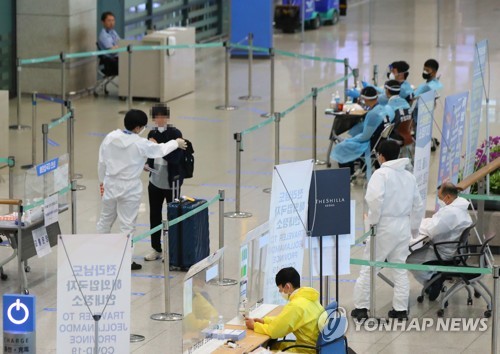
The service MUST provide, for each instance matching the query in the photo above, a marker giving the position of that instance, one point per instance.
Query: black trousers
(156, 198)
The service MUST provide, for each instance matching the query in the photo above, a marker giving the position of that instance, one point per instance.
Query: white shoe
(152, 256)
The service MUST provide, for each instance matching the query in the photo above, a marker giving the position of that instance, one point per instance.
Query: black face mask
(426, 76)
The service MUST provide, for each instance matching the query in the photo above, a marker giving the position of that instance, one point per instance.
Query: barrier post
(226, 106)
(373, 270)
(11, 164)
(250, 97)
(272, 93)
(45, 139)
(129, 86)
(494, 305)
(63, 80)
(315, 127)
(370, 20)
(167, 315)
(355, 74)
(221, 281)
(375, 75)
(19, 126)
(277, 119)
(71, 146)
(438, 27)
(237, 214)
(73, 207)
(346, 82)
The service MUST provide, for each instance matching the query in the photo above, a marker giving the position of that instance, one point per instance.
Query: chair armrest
(298, 346)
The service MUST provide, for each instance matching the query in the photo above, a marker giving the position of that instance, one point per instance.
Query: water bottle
(333, 102)
(243, 309)
(220, 328)
(337, 98)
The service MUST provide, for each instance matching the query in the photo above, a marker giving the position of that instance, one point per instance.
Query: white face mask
(285, 296)
(392, 76)
(441, 203)
(162, 129)
(142, 131)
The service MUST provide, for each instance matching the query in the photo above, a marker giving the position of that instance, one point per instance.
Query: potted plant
(494, 176)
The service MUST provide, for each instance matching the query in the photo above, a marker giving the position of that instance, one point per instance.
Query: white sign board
(95, 280)
(41, 241)
(287, 222)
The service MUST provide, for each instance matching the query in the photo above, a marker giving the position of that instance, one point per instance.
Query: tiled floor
(402, 29)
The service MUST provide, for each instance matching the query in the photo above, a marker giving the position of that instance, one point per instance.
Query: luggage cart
(11, 230)
(342, 122)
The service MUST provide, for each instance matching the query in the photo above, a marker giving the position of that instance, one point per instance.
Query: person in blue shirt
(429, 74)
(399, 71)
(402, 117)
(108, 39)
(347, 152)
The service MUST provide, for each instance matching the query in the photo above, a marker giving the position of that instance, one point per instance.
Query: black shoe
(400, 315)
(359, 314)
(435, 288)
(136, 266)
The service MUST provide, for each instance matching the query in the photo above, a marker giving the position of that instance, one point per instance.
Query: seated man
(398, 71)
(365, 134)
(447, 224)
(299, 316)
(108, 39)
(402, 116)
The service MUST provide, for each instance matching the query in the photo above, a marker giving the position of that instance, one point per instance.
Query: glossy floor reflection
(402, 30)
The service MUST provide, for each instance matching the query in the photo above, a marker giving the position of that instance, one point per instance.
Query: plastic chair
(325, 344)
(105, 77)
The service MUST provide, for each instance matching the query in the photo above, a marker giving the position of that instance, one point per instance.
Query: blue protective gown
(352, 148)
(434, 84)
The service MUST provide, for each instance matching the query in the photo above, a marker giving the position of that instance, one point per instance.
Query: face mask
(441, 203)
(142, 131)
(391, 76)
(285, 296)
(426, 75)
(162, 129)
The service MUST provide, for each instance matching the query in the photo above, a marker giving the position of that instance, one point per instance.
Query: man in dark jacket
(163, 170)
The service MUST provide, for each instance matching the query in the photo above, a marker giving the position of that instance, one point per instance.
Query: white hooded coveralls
(395, 207)
(122, 156)
(447, 224)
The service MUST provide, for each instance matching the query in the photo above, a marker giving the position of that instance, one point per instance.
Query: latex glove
(353, 93)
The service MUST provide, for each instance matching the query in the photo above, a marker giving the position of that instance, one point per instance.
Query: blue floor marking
(151, 276)
(254, 110)
(50, 309)
(264, 173)
(53, 143)
(138, 294)
(100, 135)
(221, 185)
(205, 119)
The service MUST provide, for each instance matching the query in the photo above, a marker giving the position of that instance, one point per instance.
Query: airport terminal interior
(400, 30)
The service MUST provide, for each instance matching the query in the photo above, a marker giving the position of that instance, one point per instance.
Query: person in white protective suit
(122, 156)
(395, 208)
(446, 225)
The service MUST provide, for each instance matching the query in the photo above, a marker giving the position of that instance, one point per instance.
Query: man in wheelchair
(446, 225)
(364, 135)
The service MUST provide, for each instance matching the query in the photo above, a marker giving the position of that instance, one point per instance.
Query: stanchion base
(79, 187)
(77, 176)
(267, 115)
(166, 317)
(19, 127)
(135, 338)
(237, 215)
(250, 98)
(223, 282)
(227, 108)
(267, 190)
(320, 162)
(27, 167)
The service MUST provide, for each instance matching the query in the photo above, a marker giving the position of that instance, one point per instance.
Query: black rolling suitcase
(189, 240)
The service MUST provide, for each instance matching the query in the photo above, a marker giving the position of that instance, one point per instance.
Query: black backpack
(187, 161)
